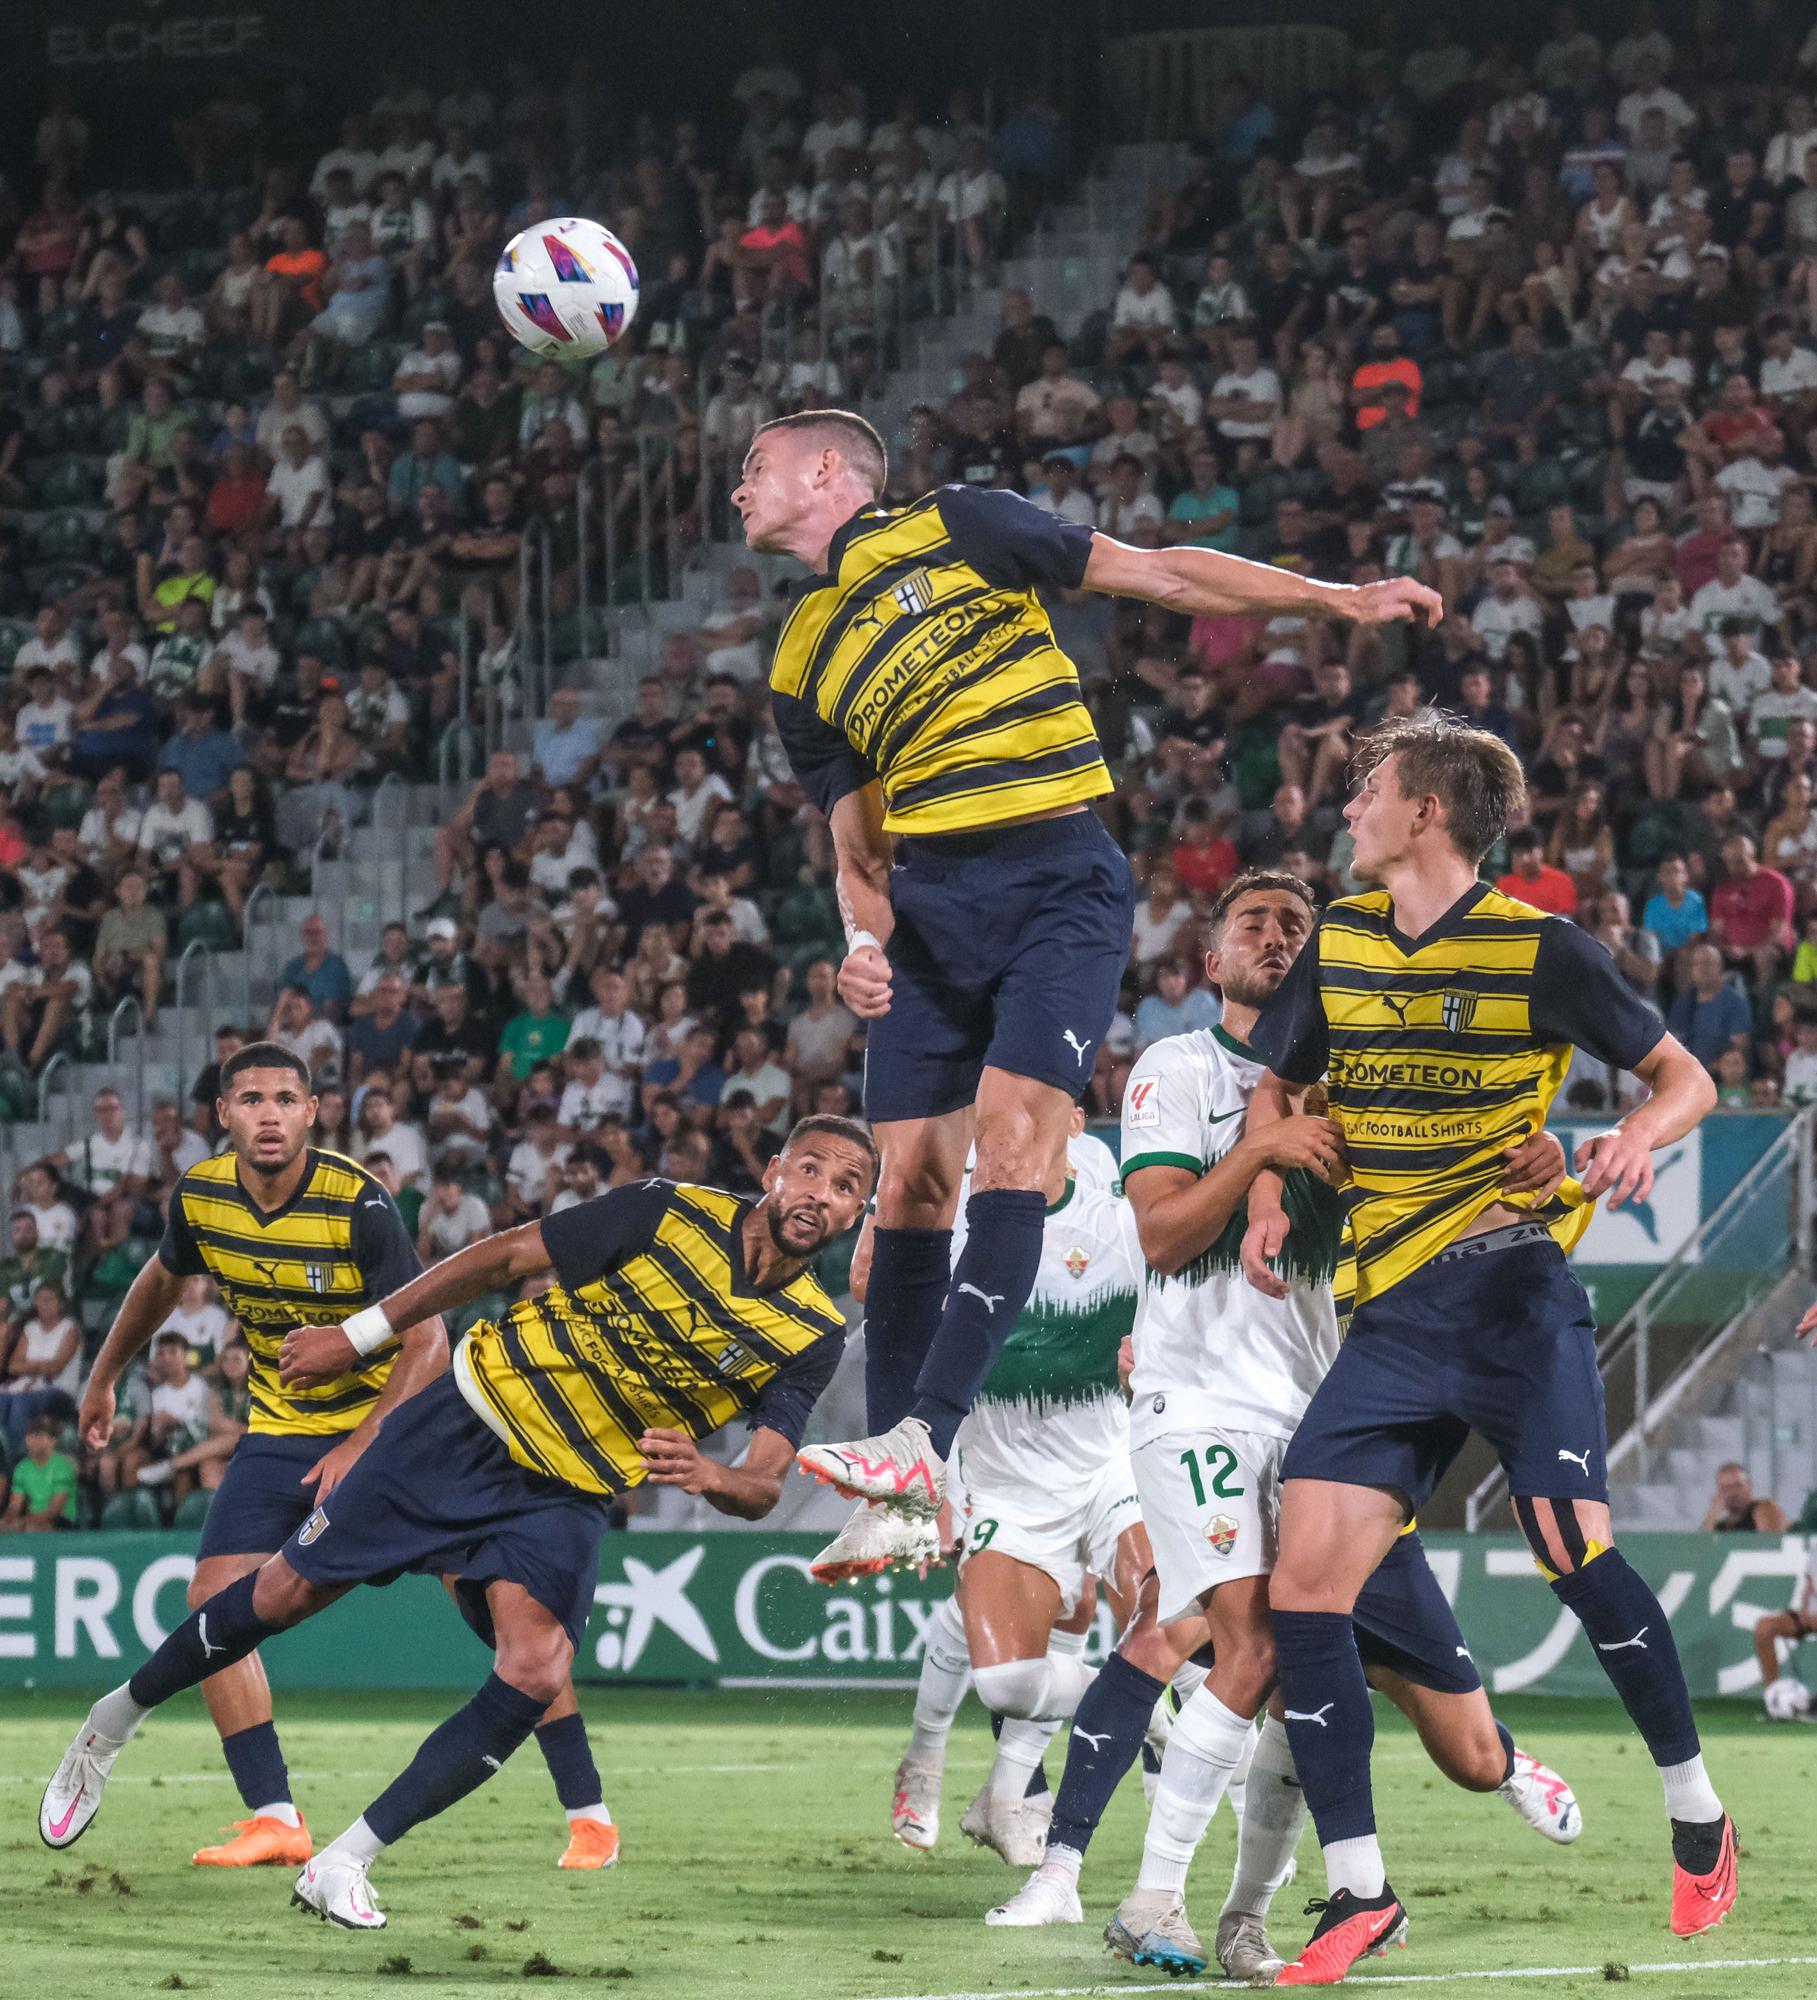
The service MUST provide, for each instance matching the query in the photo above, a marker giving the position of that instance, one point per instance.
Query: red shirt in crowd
(1203, 870)
(1748, 911)
(1403, 369)
(1551, 890)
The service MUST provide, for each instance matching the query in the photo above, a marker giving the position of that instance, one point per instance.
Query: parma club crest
(1221, 1534)
(313, 1528)
(1459, 1010)
(317, 1274)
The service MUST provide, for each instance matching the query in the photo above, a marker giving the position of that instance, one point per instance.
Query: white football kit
(1222, 1373)
(1040, 1468)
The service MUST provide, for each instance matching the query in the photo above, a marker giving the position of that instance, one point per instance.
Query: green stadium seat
(63, 537)
(207, 923)
(244, 374)
(324, 636)
(192, 1510)
(13, 634)
(71, 481)
(1541, 485)
(131, 1510)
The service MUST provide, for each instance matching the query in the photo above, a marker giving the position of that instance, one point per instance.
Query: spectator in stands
(1751, 911)
(43, 1492)
(1733, 1509)
(1532, 879)
(43, 1368)
(1710, 1014)
(1675, 912)
(1175, 1007)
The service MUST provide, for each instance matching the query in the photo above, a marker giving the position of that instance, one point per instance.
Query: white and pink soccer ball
(565, 288)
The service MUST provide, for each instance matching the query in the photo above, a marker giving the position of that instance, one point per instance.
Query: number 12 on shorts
(1220, 1463)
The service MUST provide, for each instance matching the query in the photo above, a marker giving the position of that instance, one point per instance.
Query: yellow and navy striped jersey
(1440, 1053)
(336, 1245)
(923, 658)
(651, 1321)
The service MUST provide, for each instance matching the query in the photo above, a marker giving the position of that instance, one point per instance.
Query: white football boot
(1543, 1800)
(873, 1540)
(899, 1469)
(915, 1804)
(337, 1891)
(1049, 1896)
(1014, 1828)
(73, 1797)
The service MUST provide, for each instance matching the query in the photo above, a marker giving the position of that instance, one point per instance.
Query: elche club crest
(1077, 1262)
(1221, 1534)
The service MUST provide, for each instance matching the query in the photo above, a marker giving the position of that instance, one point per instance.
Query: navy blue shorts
(438, 1494)
(1008, 951)
(261, 1500)
(1501, 1342)
(1404, 1624)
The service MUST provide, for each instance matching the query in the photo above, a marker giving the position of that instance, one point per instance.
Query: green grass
(758, 1864)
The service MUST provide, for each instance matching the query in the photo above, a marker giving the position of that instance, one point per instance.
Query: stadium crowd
(1541, 331)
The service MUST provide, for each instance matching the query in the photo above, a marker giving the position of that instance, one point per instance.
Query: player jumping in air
(928, 711)
(1221, 1377)
(674, 1309)
(1442, 1015)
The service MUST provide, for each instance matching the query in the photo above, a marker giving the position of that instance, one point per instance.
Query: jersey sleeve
(1289, 1034)
(382, 1247)
(788, 1398)
(593, 1237)
(826, 764)
(1012, 542)
(1579, 996)
(178, 1250)
(1163, 1117)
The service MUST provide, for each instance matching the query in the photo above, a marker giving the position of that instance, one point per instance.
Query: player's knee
(914, 1192)
(282, 1597)
(537, 1665)
(1016, 1689)
(1478, 1763)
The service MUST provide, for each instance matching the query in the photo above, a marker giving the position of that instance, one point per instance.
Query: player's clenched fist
(864, 982)
(312, 1355)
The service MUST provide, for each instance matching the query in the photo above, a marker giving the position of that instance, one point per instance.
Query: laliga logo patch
(313, 1529)
(1144, 1103)
(1221, 1534)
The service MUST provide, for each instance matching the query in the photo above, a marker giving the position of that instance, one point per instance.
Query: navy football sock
(223, 1630)
(910, 1271)
(455, 1759)
(995, 1274)
(1507, 1749)
(1108, 1730)
(257, 1764)
(1330, 1724)
(569, 1757)
(1634, 1647)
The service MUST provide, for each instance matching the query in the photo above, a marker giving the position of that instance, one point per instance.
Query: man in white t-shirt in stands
(1786, 701)
(1246, 399)
(51, 645)
(1509, 607)
(45, 718)
(299, 487)
(427, 377)
(590, 1095)
(1062, 494)
(37, 1011)
(117, 642)
(174, 829)
(1739, 671)
(732, 637)
(1733, 593)
(617, 1033)
(112, 1162)
(1788, 375)
(451, 1218)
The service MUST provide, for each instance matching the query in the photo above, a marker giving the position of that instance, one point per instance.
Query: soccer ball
(1787, 1699)
(565, 288)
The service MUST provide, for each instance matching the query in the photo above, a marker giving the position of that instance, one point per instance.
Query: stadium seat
(63, 537)
(192, 1510)
(1541, 485)
(131, 1510)
(70, 481)
(13, 634)
(209, 923)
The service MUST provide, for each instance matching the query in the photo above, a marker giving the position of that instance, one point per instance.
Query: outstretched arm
(313, 1354)
(1208, 583)
(748, 1490)
(1618, 1163)
(862, 859)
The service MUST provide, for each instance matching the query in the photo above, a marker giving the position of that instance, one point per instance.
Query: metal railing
(196, 952)
(1755, 1235)
(62, 1066)
(261, 908)
(390, 823)
(129, 1012)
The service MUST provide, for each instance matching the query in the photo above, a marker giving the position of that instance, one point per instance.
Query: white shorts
(1068, 1533)
(1212, 1503)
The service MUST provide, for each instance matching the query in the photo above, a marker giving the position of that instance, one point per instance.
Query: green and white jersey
(1052, 1405)
(1210, 1349)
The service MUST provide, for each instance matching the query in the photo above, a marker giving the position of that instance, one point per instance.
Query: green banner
(82, 1610)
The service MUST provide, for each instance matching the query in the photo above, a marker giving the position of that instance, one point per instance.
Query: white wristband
(368, 1329)
(858, 940)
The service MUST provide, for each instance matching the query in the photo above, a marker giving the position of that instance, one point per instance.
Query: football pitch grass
(758, 1865)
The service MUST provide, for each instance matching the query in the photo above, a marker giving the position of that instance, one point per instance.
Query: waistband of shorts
(1001, 843)
(1511, 1236)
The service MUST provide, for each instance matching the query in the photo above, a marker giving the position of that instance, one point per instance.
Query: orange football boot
(591, 1844)
(1700, 1902)
(260, 1843)
(1348, 1929)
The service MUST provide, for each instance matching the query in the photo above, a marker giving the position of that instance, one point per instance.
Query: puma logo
(1622, 1645)
(270, 1270)
(208, 1651)
(1580, 1459)
(1318, 1715)
(492, 1762)
(1085, 1736)
(992, 1300)
(1463, 1652)
(1078, 1047)
(1399, 1006)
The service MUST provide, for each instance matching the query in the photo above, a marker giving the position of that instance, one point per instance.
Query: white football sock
(283, 1810)
(1207, 1743)
(597, 1812)
(116, 1715)
(1237, 1791)
(1020, 1747)
(1065, 1861)
(1269, 1826)
(1689, 1793)
(1356, 1865)
(359, 1844)
(1188, 1678)
(946, 1674)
